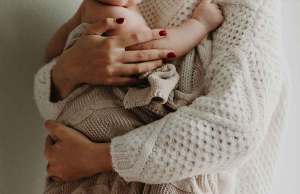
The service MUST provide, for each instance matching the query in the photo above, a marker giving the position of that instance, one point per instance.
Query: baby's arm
(206, 18)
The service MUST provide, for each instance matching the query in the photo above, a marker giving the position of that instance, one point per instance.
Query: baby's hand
(206, 17)
(208, 14)
(126, 3)
(175, 41)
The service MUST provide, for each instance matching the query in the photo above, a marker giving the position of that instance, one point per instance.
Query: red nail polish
(163, 33)
(120, 20)
(171, 55)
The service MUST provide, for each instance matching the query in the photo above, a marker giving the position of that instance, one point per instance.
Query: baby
(102, 113)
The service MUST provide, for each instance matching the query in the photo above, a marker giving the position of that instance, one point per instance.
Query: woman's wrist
(62, 84)
(103, 159)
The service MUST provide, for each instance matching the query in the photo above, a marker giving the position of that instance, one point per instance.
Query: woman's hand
(72, 156)
(88, 12)
(104, 61)
(192, 36)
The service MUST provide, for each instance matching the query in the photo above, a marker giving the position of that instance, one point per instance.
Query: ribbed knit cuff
(42, 93)
(123, 159)
(131, 151)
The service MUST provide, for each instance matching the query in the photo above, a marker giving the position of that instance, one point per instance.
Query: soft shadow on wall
(25, 29)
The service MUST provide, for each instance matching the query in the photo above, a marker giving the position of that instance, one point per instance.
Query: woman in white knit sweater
(230, 134)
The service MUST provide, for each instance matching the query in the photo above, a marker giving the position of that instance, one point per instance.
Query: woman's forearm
(57, 42)
(219, 130)
(205, 19)
(61, 85)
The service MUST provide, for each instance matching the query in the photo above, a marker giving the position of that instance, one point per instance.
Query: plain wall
(26, 26)
(287, 178)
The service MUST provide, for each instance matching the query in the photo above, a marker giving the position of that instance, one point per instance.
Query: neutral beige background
(25, 27)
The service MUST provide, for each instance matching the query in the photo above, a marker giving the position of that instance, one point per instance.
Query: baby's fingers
(128, 40)
(147, 55)
(135, 69)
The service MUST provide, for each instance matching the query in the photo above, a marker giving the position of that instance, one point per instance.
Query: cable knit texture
(231, 132)
(102, 113)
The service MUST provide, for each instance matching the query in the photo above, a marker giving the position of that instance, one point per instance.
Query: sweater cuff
(131, 151)
(123, 160)
(42, 93)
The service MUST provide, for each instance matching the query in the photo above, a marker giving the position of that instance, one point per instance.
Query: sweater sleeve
(219, 130)
(42, 92)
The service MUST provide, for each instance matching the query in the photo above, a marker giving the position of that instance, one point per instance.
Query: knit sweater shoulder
(232, 131)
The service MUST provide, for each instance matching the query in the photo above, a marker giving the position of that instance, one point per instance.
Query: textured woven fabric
(231, 132)
(102, 113)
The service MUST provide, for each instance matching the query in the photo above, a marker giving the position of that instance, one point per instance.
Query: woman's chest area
(167, 13)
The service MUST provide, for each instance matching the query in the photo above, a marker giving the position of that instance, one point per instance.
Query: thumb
(57, 130)
(102, 26)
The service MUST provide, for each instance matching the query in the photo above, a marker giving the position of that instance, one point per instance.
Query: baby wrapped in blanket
(102, 113)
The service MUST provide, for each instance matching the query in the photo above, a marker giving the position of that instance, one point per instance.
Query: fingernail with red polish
(171, 55)
(120, 20)
(163, 33)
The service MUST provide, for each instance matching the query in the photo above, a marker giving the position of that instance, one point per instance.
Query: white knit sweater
(230, 133)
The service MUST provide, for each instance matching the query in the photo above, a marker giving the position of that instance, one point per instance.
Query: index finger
(140, 37)
(56, 130)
